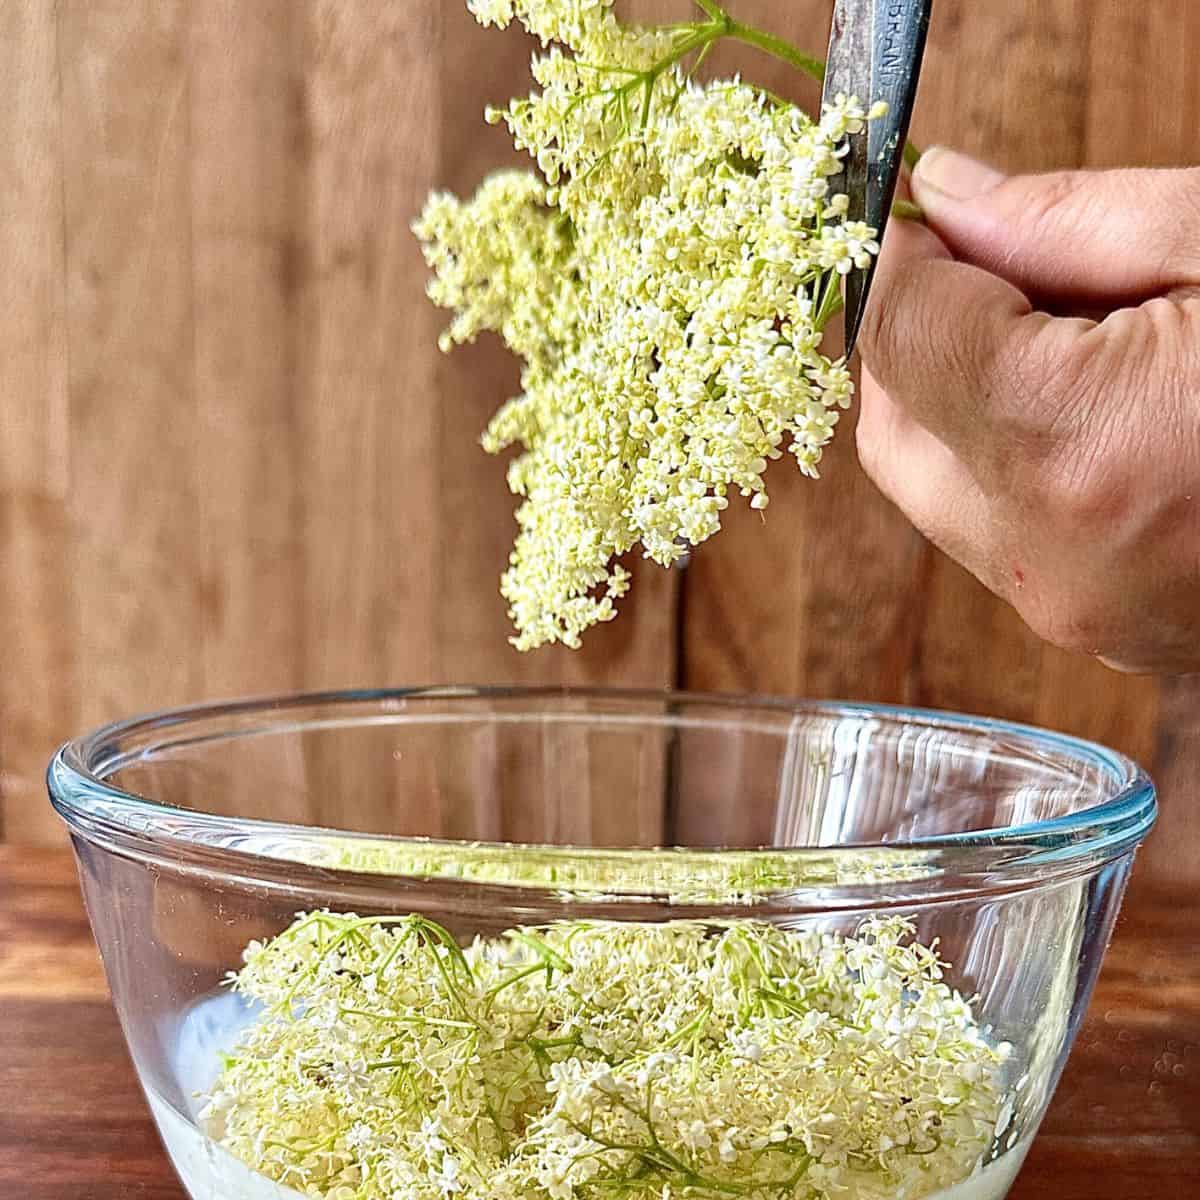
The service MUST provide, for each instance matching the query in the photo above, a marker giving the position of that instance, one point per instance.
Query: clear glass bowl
(199, 830)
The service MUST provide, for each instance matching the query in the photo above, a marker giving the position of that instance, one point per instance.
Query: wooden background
(232, 461)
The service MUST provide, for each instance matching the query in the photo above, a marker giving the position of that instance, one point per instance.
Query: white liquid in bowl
(209, 1172)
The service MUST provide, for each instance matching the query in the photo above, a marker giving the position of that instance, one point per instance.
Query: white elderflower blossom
(591, 1058)
(666, 275)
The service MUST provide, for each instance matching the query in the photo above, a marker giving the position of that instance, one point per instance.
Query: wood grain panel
(246, 168)
(367, 404)
(37, 644)
(134, 555)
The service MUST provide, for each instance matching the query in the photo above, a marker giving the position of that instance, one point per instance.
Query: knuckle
(1083, 370)
(1168, 332)
(1154, 348)
(1021, 382)
(1058, 397)
(1093, 475)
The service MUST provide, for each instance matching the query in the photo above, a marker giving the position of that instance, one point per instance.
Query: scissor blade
(875, 53)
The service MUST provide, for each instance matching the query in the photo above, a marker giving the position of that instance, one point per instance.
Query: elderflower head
(597, 1057)
(665, 275)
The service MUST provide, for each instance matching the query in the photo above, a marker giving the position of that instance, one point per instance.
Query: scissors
(875, 52)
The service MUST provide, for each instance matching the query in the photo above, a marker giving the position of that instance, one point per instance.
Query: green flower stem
(777, 47)
(906, 210)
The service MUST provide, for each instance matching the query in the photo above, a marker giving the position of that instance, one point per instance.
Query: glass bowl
(203, 830)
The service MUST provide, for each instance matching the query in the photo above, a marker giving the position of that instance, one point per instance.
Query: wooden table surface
(1125, 1124)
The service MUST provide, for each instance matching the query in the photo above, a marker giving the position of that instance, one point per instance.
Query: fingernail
(956, 175)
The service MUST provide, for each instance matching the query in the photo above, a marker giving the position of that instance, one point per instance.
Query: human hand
(1031, 396)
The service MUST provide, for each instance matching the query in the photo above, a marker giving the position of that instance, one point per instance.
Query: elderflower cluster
(592, 1059)
(587, 27)
(665, 276)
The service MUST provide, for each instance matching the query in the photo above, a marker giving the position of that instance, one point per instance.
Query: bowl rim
(99, 811)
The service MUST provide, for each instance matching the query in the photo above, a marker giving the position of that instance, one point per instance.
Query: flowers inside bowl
(529, 944)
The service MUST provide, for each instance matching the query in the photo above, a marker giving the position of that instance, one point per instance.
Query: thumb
(1070, 235)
